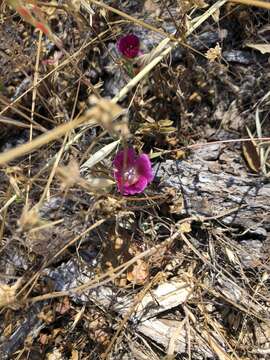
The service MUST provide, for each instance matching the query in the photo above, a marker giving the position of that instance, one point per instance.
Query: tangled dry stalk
(180, 271)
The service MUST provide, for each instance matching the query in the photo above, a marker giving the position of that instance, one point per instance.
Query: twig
(257, 3)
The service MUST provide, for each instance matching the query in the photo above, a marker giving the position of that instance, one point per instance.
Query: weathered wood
(214, 181)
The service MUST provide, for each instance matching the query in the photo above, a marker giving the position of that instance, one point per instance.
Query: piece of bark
(214, 182)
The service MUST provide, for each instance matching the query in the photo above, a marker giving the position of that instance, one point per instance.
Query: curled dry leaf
(185, 227)
(50, 8)
(160, 127)
(8, 293)
(251, 155)
(139, 273)
(214, 54)
(74, 355)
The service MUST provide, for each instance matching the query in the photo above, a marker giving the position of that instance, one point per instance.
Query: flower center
(131, 176)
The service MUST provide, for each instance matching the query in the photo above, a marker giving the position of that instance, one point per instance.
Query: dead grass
(86, 273)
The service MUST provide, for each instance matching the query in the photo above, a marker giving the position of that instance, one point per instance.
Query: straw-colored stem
(257, 3)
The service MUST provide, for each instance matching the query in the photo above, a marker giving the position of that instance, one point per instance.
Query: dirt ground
(179, 270)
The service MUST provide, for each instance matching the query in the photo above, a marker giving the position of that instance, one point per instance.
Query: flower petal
(136, 188)
(118, 161)
(144, 168)
(129, 46)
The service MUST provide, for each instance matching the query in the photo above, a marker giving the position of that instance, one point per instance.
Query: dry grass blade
(147, 58)
(217, 349)
(257, 3)
(99, 155)
(261, 149)
(40, 141)
(104, 109)
(173, 339)
(195, 23)
(6, 121)
(132, 309)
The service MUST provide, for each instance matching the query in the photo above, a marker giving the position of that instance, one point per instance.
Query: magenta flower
(132, 172)
(129, 46)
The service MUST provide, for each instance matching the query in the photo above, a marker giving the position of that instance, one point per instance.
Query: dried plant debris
(134, 192)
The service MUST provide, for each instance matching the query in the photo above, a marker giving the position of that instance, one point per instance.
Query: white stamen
(131, 176)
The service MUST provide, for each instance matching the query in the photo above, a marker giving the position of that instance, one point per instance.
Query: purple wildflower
(129, 46)
(132, 172)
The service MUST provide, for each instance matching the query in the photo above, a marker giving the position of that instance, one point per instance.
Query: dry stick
(35, 80)
(66, 127)
(219, 332)
(2, 226)
(9, 202)
(109, 275)
(257, 3)
(33, 105)
(155, 29)
(68, 144)
(219, 294)
(58, 157)
(8, 121)
(132, 19)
